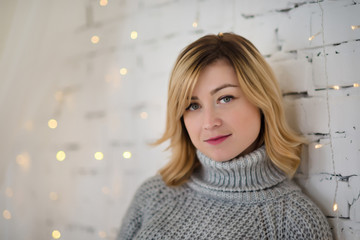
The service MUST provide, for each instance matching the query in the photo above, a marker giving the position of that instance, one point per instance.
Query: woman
(233, 154)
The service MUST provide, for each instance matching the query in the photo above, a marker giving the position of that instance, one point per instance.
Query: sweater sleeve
(305, 220)
(132, 220)
(143, 202)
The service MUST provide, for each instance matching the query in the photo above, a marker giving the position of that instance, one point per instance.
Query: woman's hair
(257, 82)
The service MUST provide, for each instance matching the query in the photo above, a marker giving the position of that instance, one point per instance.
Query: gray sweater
(245, 198)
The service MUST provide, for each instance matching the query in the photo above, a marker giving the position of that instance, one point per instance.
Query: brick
(342, 64)
(321, 189)
(294, 75)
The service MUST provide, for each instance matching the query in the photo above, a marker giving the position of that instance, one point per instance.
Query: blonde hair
(259, 85)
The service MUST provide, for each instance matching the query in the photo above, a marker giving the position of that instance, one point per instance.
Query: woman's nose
(211, 119)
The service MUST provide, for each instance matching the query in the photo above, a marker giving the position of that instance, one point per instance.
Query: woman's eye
(226, 99)
(193, 106)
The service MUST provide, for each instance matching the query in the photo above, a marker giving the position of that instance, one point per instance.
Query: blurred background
(83, 89)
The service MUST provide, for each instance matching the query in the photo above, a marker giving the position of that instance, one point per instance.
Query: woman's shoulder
(155, 187)
(305, 218)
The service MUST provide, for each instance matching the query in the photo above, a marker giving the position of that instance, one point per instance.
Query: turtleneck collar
(248, 173)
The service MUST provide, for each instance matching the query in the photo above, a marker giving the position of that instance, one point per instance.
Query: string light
(336, 87)
(103, 3)
(102, 234)
(29, 125)
(144, 115)
(52, 123)
(195, 24)
(313, 36)
(353, 27)
(335, 207)
(60, 156)
(127, 155)
(95, 39)
(23, 160)
(99, 156)
(105, 190)
(317, 146)
(56, 234)
(7, 214)
(59, 96)
(355, 85)
(53, 196)
(134, 35)
(9, 192)
(123, 71)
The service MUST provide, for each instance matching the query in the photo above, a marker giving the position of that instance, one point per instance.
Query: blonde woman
(233, 154)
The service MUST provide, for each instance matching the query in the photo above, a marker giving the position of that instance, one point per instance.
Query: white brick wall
(48, 50)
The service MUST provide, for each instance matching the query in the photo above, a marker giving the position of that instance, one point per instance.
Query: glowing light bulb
(353, 27)
(318, 146)
(56, 234)
(103, 3)
(356, 85)
(9, 192)
(144, 115)
(59, 96)
(335, 207)
(23, 160)
(127, 155)
(29, 125)
(195, 24)
(99, 156)
(52, 123)
(123, 71)
(313, 36)
(60, 156)
(336, 87)
(53, 196)
(102, 234)
(95, 39)
(7, 214)
(105, 190)
(134, 35)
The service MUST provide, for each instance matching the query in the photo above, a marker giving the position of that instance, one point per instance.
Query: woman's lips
(217, 140)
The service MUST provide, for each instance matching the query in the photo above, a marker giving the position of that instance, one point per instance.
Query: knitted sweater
(245, 198)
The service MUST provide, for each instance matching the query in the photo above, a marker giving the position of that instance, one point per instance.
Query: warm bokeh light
(95, 39)
(9, 192)
(356, 85)
(134, 35)
(127, 155)
(144, 115)
(29, 125)
(353, 27)
(7, 214)
(318, 146)
(59, 96)
(123, 71)
(52, 123)
(103, 3)
(335, 207)
(102, 234)
(336, 87)
(23, 160)
(53, 196)
(99, 156)
(105, 190)
(60, 156)
(56, 234)
(195, 24)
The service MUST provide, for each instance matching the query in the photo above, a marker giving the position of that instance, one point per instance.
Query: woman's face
(220, 121)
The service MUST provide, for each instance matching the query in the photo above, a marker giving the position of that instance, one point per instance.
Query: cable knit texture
(245, 198)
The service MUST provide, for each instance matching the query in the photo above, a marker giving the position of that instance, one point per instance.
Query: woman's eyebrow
(222, 87)
(217, 89)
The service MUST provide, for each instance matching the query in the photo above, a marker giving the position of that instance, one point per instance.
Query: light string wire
(329, 121)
